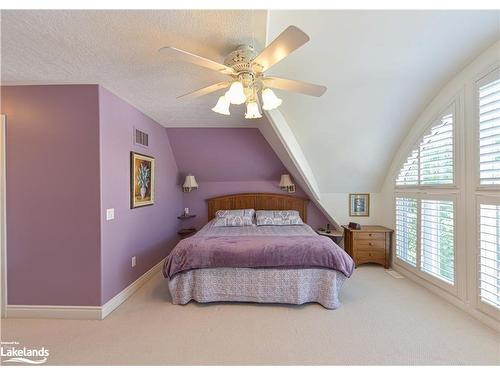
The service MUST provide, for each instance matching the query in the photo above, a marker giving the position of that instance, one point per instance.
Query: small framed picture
(142, 180)
(359, 204)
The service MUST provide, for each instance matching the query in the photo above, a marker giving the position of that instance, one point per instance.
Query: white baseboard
(483, 318)
(53, 312)
(121, 297)
(81, 312)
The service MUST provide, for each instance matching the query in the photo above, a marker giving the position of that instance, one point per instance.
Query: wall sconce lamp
(286, 184)
(189, 184)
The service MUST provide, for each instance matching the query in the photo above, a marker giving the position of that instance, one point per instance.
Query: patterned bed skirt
(263, 285)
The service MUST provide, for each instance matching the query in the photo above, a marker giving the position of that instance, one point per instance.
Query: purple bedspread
(257, 251)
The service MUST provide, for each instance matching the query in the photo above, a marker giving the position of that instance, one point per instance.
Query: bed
(265, 264)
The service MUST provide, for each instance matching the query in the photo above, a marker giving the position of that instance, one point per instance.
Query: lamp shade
(285, 181)
(222, 106)
(236, 93)
(271, 101)
(252, 110)
(190, 183)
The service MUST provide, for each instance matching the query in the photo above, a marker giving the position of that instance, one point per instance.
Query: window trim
(480, 305)
(482, 79)
(453, 108)
(448, 196)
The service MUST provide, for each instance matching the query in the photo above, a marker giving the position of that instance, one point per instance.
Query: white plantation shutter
(406, 229)
(436, 153)
(489, 133)
(408, 174)
(432, 162)
(489, 254)
(437, 239)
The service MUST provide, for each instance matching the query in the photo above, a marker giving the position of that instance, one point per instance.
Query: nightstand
(370, 244)
(334, 234)
(186, 232)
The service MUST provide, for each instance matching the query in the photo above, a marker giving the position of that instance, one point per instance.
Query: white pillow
(234, 218)
(278, 217)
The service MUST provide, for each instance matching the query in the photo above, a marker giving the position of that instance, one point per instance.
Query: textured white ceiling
(381, 69)
(118, 49)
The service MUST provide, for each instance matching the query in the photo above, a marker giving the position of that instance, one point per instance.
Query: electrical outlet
(133, 261)
(110, 214)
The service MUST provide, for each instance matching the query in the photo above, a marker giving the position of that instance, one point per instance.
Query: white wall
(338, 203)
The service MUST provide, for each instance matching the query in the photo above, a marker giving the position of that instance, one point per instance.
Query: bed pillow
(278, 217)
(234, 218)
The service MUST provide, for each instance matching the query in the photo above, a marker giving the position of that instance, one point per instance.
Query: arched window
(425, 220)
(447, 198)
(432, 161)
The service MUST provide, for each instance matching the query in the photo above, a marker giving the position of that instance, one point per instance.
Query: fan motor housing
(241, 59)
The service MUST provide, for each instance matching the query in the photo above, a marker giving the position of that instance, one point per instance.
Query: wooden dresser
(370, 244)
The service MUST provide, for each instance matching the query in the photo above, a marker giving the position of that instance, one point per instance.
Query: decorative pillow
(234, 218)
(279, 217)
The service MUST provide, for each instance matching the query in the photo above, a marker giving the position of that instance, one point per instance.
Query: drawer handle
(370, 243)
(370, 234)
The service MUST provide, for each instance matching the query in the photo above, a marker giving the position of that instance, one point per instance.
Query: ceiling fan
(246, 74)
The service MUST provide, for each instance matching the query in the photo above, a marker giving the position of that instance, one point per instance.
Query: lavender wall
(68, 161)
(225, 154)
(52, 144)
(228, 161)
(149, 232)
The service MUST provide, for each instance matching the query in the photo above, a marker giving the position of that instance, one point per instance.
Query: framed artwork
(359, 204)
(142, 180)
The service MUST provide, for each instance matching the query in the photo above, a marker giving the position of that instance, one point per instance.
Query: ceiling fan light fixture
(271, 101)
(246, 74)
(236, 93)
(252, 110)
(222, 106)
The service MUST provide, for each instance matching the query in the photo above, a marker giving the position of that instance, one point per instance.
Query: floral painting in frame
(142, 180)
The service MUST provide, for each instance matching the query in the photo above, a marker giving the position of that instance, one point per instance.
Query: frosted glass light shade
(222, 106)
(271, 101)
(252, 110)
(189, 183)
(236, 93)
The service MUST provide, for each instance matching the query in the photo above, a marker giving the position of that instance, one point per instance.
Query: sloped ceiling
(381, 69)
(118, 49)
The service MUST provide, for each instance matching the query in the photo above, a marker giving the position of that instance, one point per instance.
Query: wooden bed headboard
(258, 201)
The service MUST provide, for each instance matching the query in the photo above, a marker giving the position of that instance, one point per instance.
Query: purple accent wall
(67, 161)
(228, 161)
(224, 154)
(148, 233)
(52, 144)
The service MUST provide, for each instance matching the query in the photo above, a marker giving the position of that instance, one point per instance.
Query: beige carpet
(383, 321)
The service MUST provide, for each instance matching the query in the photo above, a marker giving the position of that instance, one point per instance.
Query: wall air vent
(141, 138)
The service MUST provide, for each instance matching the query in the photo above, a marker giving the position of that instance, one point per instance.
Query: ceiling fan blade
(205, 90)
(287, 42)
(197, 60)
(296, 86)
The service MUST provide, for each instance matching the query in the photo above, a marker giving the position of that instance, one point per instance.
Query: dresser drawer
(376, 255)
(369, 244)
(369, 236)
